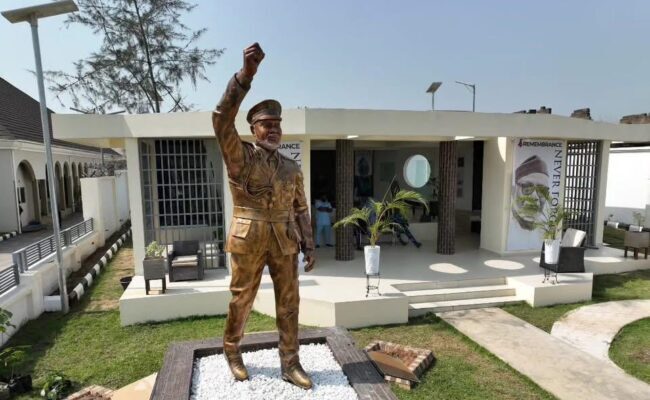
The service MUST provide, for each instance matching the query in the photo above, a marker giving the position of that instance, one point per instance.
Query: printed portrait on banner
(537, 164)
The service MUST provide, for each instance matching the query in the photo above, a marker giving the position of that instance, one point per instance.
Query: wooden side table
(637, 241)
(154, 269)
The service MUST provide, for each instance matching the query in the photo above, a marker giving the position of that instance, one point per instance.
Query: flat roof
(319, 123)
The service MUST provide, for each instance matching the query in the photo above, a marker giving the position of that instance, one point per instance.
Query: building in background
(628, 191)
(24, 193)
(178, 190)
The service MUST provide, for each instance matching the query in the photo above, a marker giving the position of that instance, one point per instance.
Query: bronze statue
(270, 223)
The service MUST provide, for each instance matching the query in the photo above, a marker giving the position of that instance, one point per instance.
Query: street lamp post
(472, 87)
(432, 89)
(32, 15)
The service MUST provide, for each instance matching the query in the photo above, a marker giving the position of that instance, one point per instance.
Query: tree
(145, 55)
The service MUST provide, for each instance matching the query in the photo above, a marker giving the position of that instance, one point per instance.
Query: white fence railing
(35, 252)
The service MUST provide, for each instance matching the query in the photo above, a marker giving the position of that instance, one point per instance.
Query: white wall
(495, 206)
(122, 196)
(101, 204)
(135, 202)
(8, 210)
(24, 180)
(398, 157)
(628, 184)
(26, 301)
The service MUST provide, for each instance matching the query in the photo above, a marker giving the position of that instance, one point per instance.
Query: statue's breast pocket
(288, 190)
(241, 227)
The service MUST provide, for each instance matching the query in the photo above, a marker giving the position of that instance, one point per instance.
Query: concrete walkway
(556, 366)
(16, 243)
(592, 328)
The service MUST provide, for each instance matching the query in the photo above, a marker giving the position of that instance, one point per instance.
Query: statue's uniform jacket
(268, 196)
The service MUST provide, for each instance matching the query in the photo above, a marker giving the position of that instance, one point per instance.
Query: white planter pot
(372, 259)
(52, 303)
(551, 251)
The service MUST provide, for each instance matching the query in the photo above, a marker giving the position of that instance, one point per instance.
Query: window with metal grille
(581, 186)
(182, 193)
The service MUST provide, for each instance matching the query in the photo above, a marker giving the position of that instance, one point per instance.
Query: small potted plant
(547, 218)
(154, 261)
(56, 386)
(378, 217)
(10, 357)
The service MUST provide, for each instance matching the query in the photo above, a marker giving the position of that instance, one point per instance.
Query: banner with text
(292, 150)
(537, 164)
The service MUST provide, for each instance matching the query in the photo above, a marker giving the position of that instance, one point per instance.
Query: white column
(601, 214)
(495, 207)
(135, 202)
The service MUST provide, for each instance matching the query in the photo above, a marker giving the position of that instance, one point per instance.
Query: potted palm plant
(537, 206)
(154, 261)
(378, 218)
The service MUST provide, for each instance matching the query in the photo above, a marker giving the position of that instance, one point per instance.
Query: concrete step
(455, 305)
(462, 283)
(461, 293)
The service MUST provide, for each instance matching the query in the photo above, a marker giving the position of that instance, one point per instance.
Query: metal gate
(581, 187)
(182, 194)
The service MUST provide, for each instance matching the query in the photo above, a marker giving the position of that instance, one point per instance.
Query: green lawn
(630, 349)
(89, 346)
(613, 237)
(463, 369)
(625, 286)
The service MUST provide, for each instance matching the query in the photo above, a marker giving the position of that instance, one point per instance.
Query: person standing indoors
(323, 221)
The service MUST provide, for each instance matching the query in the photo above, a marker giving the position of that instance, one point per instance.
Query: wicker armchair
(572, 254)
(185, 262)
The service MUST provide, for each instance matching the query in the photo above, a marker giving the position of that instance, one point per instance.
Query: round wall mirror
(417, 171)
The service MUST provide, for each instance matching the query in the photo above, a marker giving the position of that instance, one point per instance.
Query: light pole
(472, 87)
(432, 89)
(32, 15)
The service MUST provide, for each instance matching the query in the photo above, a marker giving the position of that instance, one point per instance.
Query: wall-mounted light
(352, 136)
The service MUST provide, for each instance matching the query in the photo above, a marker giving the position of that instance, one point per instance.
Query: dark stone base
(175, 378)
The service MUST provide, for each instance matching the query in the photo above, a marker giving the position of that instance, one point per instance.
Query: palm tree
(383, 212)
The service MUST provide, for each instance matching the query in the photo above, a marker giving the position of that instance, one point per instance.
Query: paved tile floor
(563, 370)
(592, 328)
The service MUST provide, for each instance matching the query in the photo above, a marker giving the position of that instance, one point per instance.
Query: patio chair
(572, 255)
(637, 241)
(185, 262)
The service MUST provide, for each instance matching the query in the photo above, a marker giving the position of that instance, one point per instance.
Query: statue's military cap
(267, 109)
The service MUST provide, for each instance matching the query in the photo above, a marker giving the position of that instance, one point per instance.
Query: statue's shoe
(296, 375)
(237, 366)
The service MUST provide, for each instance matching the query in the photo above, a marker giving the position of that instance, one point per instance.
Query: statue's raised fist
(253, 56)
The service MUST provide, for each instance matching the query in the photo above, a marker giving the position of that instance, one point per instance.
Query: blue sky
(384, 54)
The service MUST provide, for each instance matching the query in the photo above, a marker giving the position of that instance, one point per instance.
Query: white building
(24, 195)
(177, 180)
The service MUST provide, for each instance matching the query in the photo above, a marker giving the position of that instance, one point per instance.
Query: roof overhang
(327, 124)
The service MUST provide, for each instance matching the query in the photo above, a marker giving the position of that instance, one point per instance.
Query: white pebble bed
(212, 379)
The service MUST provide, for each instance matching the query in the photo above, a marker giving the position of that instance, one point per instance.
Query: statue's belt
(261, 214)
